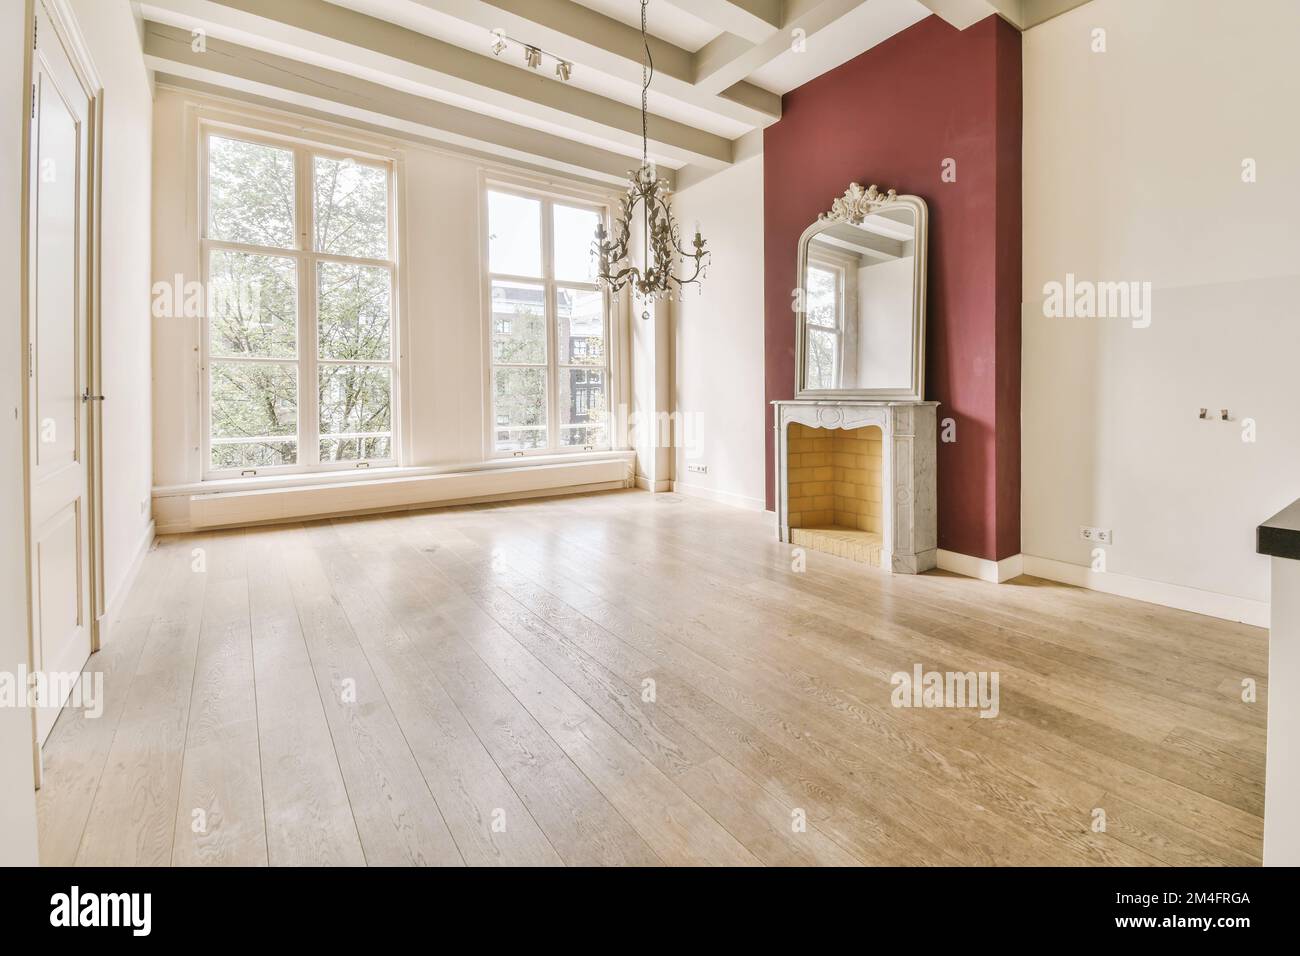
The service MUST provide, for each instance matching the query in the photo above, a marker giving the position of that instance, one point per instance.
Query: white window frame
(307, 361)
(550, 196)
(841, 278)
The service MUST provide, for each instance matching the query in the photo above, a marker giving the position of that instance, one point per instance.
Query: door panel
(56, 382)
(58, 588)
(58, 360)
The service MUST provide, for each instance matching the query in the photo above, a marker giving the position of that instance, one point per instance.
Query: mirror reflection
(859, 305)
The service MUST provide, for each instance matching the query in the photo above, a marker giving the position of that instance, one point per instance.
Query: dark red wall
(891, 117)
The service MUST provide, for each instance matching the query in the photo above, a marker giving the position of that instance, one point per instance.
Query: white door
(57, 373)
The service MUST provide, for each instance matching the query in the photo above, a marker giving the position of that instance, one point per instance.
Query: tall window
(549, 326)
(823, 316)
(300, 355)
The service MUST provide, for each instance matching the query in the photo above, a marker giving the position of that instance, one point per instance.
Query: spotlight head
(564, 70)
(498, 42)
(533, 57)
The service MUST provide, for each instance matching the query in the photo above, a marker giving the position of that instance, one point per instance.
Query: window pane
(580, 327)
(575, 231)
(514, 235)
(819, 362)
(351, 208)
(252, 305)
(518, 323)
(819, 305)
(355, 400)
(352, 303)
(584, 407)
(365, 448)
(250, 193)
(519, 404)
(254, 414)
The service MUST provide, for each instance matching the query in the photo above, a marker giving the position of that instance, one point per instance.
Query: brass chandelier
(662, 239)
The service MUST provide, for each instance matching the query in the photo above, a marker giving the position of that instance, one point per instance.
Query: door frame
(74, 44)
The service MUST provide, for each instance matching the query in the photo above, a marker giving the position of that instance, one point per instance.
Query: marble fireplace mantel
(908, 437)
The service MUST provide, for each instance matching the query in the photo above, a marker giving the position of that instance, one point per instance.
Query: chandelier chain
(645, 87)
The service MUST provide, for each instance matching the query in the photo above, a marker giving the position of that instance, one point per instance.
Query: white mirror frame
(853, 207)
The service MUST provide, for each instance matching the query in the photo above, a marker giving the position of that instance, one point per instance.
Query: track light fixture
(533, 55)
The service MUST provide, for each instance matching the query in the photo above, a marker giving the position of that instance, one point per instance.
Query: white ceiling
(856, 32)
(470, 36)
(425, 68)
(663, 20)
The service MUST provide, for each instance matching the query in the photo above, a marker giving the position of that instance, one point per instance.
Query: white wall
(444, 327)
(650, 425)
(1133, 171)
(718, 363)
(17, 796)
(110, 29)
(885, 323)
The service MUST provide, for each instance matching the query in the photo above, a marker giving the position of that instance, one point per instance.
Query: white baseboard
(995, 572)
(1224, 606)
(721, 497)
(181, 512)
(113, 605)
(645, 484)
(185, 527)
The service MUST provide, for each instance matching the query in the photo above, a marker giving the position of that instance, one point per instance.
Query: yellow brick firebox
(835, 496)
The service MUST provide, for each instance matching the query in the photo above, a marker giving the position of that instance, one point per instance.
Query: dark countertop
(1280, 534)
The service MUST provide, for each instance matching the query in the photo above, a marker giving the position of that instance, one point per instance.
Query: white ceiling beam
(591, 39)
(1021, 14)
(1035, 12)
(523, 148)
(289, 82)
(727, 59)
(964, 13)
(343, 40)
(752, 20)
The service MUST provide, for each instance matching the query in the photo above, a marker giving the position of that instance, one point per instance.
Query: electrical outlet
(1097, 535)
(698, 469)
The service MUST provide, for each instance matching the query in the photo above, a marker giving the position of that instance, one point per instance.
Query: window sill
(362, 475)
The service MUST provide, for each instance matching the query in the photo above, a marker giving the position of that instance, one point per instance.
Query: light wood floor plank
(677, 828)
(489, 822)
(581, 823)
(1070, 813)
(628, 678)
(133, 814)
(75, 753)
(219, 815)
(397, 817)
(308, 816)
(766, 706)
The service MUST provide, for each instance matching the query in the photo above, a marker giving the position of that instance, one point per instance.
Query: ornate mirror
(860, 308)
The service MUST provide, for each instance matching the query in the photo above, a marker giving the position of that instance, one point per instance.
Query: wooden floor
(631, 678)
